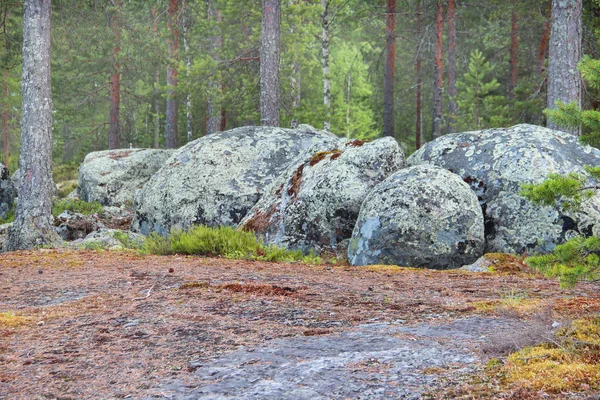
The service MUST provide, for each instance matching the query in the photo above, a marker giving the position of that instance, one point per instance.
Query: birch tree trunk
(325, 57)
(390, 64)
(564, 81)
(188, 64)
(452, 107)
(213, 123)
(173, 44)
(34, 224)
(439, 72)
(269, 62)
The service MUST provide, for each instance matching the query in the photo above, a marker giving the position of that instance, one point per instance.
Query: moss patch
(569, 362)
(10, 320)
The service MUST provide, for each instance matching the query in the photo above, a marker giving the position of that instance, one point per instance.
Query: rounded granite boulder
(496, 162)
(422, 216)
(314, 204)
(217, 179)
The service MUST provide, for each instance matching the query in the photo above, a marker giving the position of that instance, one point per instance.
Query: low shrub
(224, 242)
(78, 206)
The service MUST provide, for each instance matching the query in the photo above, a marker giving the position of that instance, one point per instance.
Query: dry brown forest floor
(115, 324)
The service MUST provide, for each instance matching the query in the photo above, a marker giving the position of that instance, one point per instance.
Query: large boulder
(217, 179)
(314, 204)
(422, 216)
(496, 162)
(111, 177)
(7, 192)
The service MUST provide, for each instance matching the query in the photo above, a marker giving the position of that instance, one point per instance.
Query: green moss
(224, 242)
(10, 217)
(78, 206)
(67, 189)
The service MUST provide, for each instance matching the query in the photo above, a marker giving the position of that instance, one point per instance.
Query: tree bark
(564, 81)
(215, 44)
(188, 64)
(33, 225)
(514, 48)
(172, 105)
(325, 57)
(418, 84)
(156, 91)
(115, 85)
(438, 71)
(269, 62)
(544, 43)
(5, 119)
(390, 67)
(452, 107)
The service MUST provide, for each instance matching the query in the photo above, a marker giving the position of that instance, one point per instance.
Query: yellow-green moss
(10, 320)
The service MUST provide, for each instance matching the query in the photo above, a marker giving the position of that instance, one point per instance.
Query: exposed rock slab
(421, 216)
(375, 361)
(314, 204)
(495, 162)
(111, 177)
(217, 179)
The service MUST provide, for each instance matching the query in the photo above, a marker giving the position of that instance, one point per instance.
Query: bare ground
(122, 325)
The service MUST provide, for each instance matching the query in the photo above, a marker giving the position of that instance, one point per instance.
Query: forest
(300, 199)
(454, 66)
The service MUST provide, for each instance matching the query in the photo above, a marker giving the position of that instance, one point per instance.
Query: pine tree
(572, 116)
(478, 104)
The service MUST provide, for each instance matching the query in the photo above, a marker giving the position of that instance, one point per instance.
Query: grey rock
(421, 216)
(217, 179)
(495, 162)
(8, 193)
(375, 361)
(482, 264)
(314, 204)
(106, 239)
(71, 225)
(111, 177)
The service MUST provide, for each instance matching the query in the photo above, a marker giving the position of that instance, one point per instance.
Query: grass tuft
(222, 242)
(78, 206)
(10, 320)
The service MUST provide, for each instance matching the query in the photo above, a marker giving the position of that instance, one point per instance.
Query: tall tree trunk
(419, 84)
(439, 71)
(390, 68)
(564, 82)
(215, 44)
(156, 91)
(33, 225)
(269, 62)
(188, 64)
(296, 87)
(544, 43)
(173, 44)
(514, 48)
(452, 107)
(325, 57)
(5, 118)
(115, 85)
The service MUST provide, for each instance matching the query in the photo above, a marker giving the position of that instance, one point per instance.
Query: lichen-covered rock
(314, 204)
(71, 225)
(421, 216)
(111, 239)
(111, 177)
(495, 162)
(7, 191)
(217, 179)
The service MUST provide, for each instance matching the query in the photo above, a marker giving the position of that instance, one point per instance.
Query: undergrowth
(224, 242)
(10, 217)
(65, 172)
(66, 189)
(78, 206)
(10, 320)
(572, 261)
(568, 362)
